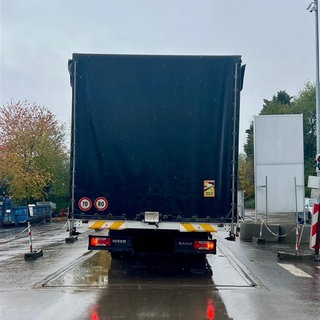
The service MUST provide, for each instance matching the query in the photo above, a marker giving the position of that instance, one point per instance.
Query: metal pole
(297, 218)
(317, 74)
(313, 7)
(266, 200)
(296, 199)
(234, 216)
(317, 104)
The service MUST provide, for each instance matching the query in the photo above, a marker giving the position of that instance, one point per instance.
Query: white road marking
(318, 267)
(294, 270)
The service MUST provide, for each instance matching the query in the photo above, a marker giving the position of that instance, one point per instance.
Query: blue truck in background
(17, 215)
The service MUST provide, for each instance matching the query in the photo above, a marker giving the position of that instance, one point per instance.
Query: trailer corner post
(72, 236)
(232, 234)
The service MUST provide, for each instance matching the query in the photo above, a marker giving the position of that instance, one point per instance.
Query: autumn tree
(32, 151)
(246, 176)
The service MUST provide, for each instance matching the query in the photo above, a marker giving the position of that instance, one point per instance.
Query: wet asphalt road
(70, 282)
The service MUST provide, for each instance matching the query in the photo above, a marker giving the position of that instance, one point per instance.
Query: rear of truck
(154, 150)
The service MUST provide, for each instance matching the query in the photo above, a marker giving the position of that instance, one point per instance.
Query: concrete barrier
(252, 229)
(284, 233)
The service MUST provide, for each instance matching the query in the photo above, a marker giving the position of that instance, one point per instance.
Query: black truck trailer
(154, 150)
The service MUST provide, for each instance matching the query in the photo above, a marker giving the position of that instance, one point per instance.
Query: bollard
(30, 236)
(298, 238)
(315, 230)
(32, 255)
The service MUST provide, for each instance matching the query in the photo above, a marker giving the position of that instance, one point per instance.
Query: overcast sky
(276, 39)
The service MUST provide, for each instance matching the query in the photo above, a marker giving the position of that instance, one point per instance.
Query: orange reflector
(204, 245)
(100, 241)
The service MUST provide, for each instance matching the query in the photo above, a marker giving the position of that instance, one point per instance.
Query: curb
(295, 257)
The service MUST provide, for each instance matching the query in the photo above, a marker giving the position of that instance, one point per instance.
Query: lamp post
(313, 7)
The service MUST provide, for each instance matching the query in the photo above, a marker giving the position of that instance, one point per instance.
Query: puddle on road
(90, 270)
(97, 269)
(133, 292)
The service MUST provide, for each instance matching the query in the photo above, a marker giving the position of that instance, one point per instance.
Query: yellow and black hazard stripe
(197, 227)
(104, 224)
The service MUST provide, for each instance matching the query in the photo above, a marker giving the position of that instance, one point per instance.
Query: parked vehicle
(308, 209)
(53, 206)
(155, 150)
(15, 215)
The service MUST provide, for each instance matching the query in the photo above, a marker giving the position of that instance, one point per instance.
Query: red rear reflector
(210, 310)
(100, 241)
(94, 314)
(204, 245)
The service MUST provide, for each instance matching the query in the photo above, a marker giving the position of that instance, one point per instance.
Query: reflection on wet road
(243, 281)
(130, 291)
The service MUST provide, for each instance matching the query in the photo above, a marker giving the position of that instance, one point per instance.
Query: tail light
(100, 241)
(209, 245)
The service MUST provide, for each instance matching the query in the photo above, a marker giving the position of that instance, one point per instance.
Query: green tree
(280, 104)
(33, 155)
(305, 103)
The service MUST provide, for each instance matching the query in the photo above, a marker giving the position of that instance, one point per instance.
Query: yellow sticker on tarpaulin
(209, 188)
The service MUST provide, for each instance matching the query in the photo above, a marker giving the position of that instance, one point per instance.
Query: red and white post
(32, 255)
(30, 236)
(315, 229)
